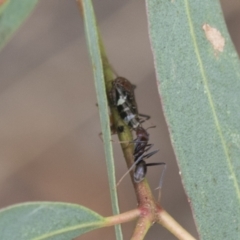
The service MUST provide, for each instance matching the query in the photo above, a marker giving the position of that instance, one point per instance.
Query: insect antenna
(161, 178)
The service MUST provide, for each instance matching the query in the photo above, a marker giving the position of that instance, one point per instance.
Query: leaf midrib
(69, 229)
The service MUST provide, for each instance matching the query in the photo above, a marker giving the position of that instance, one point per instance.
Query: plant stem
(141, 228)
(169, 223)
(123, 217)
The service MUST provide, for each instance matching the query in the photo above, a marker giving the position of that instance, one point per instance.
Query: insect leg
(144, 117)
(161, 178)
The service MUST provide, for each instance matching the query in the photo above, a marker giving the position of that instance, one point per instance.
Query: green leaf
(12, 14)
(98, 59)
(199, 81)
(46, 220)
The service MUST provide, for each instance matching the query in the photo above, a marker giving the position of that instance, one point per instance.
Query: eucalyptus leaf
(198, 72)
(12, 14)
(101, 71)
(47, 221)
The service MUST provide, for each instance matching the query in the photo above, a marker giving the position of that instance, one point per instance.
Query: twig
(169, 223)
(123, 217)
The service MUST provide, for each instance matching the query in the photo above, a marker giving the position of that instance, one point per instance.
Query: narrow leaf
(97, 54)
(199, 81)
(47, 221)
(12, 14)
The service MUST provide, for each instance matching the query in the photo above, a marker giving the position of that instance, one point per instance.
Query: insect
(141, 147)
(122, 96)
(123, 92)
(141, 170)
(141, 142)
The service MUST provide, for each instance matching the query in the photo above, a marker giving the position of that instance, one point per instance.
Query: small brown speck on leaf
(214, 37)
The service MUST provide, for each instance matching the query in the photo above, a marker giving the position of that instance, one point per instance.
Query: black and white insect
(122, 97)
(123, 91)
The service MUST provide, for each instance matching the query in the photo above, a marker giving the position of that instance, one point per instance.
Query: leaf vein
(68, 229)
